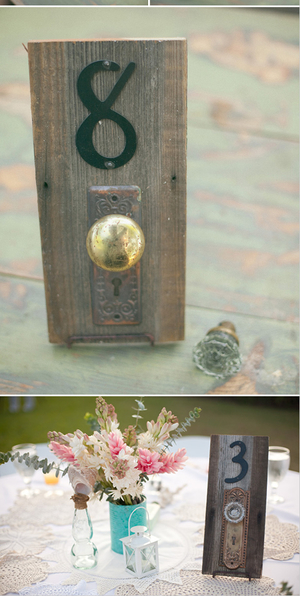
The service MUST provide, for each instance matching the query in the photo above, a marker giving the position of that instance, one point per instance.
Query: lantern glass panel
(148, 557)
(130, 559)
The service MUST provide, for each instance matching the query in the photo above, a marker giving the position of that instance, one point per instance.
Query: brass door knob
(115, 242)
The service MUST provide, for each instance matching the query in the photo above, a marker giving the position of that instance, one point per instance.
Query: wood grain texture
(154, 101)
(80, 2)
(233, 85)
(243, 230)
(269, 349)
(221, 2)
(221, 466)
(242, 238)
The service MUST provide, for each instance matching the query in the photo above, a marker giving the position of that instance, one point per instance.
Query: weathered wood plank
(154, 102)
(252, 469)
(242, 233)
(243, 64)
(222, 182)
(269, 349)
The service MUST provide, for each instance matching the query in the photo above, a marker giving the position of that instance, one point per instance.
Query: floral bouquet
(109, 462)
(117, 464)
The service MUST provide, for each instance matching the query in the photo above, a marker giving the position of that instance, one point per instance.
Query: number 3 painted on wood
(239, 459)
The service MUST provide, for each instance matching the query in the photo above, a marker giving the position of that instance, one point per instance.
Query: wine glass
(279, 463)
(25, 471)
(154, 485)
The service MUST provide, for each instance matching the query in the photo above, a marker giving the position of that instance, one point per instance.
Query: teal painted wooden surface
(223, 3)
(29, 364)
(242, 230)
(242, 243)
(80, 2)
(243, 64)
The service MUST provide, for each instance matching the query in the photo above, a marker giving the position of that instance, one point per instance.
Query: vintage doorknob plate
(234, 512)
(115, 242)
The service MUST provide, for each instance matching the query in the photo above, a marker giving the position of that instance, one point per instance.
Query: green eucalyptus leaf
(140, 404)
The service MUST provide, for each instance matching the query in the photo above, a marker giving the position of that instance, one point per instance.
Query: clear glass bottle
(83, 552)
(218, 353)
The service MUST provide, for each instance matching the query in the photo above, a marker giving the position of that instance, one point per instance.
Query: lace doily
(17, 571)
(166, 496)
(281, 541)
(47, 502)
(24, 533)
(196, 584)
(191, 512)
(57, 590)
(24, 539)
(177, 551)
(198, 537)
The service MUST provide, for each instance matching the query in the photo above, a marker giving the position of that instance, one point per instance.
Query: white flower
(84, 458)
(122, 471)
(78, 448)
(147, 441)
(114, 426)
(134, 491)
(154, 437)
(115, 493)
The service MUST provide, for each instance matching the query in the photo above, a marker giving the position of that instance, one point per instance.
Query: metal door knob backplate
(115, 242)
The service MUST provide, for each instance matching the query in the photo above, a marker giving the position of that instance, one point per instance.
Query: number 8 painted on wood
(101, 110)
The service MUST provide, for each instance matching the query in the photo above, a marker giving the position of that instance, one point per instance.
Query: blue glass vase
(119, 515)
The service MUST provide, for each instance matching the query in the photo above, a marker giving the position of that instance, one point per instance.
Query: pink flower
(106, 414)
(148, 461)
(63, 452)
(59, 437)
(172, 462)
(116, 443)
(119, 468)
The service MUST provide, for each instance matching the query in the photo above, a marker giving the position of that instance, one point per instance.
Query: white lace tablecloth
(35, 541)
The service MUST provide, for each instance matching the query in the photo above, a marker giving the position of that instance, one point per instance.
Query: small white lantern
(140, 550)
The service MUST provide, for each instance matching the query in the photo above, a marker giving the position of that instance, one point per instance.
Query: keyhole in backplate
(117, 282)
(233, 540)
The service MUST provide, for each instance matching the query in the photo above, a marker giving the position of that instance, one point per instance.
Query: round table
(190, 484)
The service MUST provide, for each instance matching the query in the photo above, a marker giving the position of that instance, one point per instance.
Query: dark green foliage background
(273, 416)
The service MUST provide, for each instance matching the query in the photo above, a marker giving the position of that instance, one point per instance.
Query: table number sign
(236, 506)
(109, 127)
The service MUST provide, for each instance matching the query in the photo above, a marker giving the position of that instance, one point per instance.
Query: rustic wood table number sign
(236, 506)
(109, 126)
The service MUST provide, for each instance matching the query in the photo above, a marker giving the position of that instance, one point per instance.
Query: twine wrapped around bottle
(80, 500)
